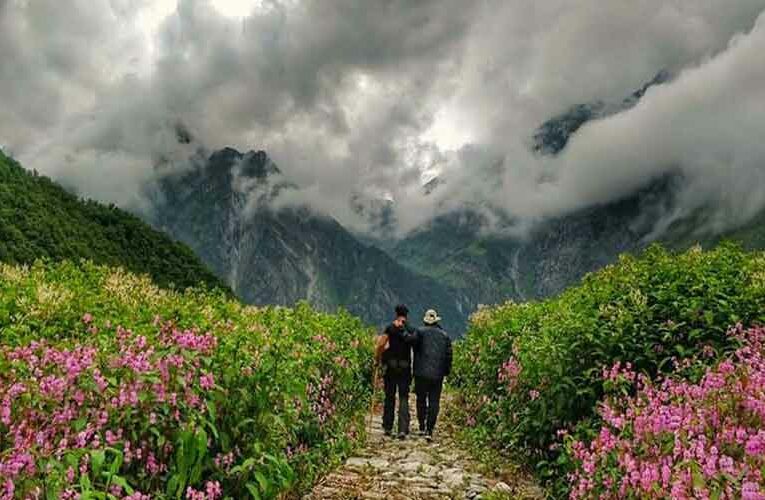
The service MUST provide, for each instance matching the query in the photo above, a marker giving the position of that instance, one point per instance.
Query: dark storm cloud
(343, 95)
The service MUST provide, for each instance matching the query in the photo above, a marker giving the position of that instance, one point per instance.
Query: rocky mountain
(553, 135)
(219, 207)
(558, 251)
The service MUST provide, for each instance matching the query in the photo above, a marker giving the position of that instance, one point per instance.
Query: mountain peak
(432, 185)
(253, 164)
(553, 135)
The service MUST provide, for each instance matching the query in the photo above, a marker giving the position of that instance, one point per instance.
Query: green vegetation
(526, 371)
(39, 219)
(112, 386)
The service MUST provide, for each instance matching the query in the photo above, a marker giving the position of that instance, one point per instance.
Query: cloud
(703, 125)
(361, 100)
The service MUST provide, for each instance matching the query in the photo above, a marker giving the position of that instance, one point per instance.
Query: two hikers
(432, 362)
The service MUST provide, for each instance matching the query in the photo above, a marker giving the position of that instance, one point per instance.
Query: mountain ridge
(220, 208)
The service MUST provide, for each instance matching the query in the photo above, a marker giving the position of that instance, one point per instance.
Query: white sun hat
(431, 317)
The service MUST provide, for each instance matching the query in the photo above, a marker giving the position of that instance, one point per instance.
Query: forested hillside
(39, 219)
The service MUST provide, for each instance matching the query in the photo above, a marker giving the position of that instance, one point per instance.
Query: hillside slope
(220, 209)
(39, 219)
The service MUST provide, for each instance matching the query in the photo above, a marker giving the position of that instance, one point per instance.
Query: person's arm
(410, 334)
(381, 345)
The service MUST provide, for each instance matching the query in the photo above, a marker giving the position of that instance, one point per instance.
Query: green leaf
(121, 481)
(262, 481)
(85, 483)
(698, 478)
(253, 489)
(97, 459)
(80, 424)
(172, 486)
(114, 468)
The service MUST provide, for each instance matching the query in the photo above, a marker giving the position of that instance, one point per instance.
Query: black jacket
(432, 352)
(398, 356)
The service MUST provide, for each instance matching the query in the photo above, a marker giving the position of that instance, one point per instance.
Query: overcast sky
(369, 98)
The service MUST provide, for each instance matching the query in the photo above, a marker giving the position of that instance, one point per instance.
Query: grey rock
(502, 487)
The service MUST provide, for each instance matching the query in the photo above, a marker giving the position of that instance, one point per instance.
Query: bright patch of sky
(448, 131)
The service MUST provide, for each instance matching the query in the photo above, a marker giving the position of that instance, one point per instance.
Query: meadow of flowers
(113, 388)
(679, 439)
(532, 378)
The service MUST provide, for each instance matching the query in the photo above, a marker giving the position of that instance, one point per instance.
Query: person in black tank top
(397, 366)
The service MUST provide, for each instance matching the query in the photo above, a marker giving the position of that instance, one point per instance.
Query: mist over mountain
(358, 102)
(498, 151)
(238, 212)
(221, 207)
(530, 263)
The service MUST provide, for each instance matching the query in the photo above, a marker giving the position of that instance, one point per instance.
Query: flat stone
(373, 495)
(454, 477)
(364, 463)
(502, 487)
(449, 457)
(474, 491)
(419, 456)
(430, 490)
(417, 479)
(418, 468)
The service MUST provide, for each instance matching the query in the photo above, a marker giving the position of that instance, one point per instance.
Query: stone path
(414, 469)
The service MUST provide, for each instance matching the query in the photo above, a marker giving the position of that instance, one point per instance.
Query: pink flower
(206, 381)
(213, 490)
(509, 373)
(751, 491)
(648, 440)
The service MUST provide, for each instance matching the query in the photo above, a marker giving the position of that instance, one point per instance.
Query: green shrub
(526, 371)
(109, 370)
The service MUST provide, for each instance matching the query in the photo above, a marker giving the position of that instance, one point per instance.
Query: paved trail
(415, 469)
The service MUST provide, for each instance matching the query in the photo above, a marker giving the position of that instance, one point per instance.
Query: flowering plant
(679, 439)
(528, 370)
(113, 388)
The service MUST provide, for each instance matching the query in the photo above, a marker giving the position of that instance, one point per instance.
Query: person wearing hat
(432, 362)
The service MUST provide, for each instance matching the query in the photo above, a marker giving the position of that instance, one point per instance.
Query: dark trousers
(428, 401)
(396, 383)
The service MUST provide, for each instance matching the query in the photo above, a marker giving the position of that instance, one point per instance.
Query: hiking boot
(429, 436)
(402, 435)
(387, 432)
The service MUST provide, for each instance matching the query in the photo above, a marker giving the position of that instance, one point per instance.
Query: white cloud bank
(365, 97)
